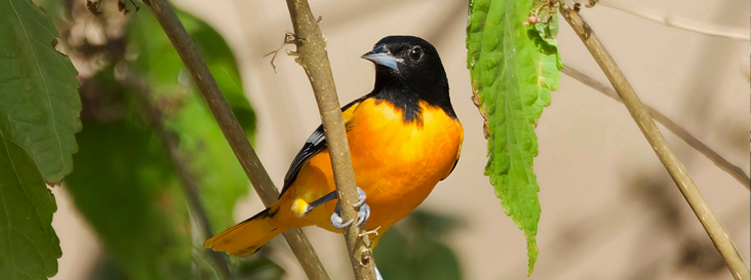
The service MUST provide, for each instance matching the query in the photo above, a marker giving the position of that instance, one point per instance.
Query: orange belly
(397, 164)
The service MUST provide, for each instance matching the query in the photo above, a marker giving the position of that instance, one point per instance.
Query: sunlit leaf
(39, 103)
(514, 64)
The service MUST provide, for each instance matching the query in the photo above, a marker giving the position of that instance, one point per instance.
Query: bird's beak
(382, 56)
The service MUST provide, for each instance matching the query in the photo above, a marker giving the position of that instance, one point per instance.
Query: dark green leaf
(413, 250)
(29, 247)
(124, 186)
(259, 267)
(514, 65)
(39, 108)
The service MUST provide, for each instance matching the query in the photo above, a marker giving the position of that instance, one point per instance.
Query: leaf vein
(44, 81)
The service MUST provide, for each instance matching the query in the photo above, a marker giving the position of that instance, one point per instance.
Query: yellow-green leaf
(514, 65)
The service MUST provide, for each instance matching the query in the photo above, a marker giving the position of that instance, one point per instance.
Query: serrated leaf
(29, 247)
(39, 102)
(514, 65)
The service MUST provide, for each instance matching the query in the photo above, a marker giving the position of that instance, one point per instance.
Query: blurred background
(609, 208)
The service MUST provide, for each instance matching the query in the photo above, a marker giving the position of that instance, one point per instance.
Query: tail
(246, 237)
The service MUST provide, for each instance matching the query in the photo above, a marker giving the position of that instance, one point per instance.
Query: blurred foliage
(212, 163)
(514, 64)
(125, 185)
(413, 249)
(259, 267)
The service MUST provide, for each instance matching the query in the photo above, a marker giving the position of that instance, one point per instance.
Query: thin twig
(677, 171)
(311, 49)
(154, 117)
(677, 22)
(232, 130)
(681, 132)
(288, 39)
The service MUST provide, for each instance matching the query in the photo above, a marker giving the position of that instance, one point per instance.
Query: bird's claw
(361, 196)
(337, 221)
(362, 214)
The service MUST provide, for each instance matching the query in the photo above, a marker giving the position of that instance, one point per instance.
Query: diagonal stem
(681, 132)
(232, 130)
(677, 171)
(154, 117)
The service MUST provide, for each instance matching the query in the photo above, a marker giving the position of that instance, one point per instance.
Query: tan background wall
(604, 194)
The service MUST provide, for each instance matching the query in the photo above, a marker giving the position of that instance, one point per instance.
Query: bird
(404, 138)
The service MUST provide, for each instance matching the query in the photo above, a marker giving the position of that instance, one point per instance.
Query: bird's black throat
(406, 93)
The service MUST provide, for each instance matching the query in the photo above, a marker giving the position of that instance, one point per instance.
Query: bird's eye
(415, 53)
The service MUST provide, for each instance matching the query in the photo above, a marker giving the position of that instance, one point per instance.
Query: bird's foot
(362, 214)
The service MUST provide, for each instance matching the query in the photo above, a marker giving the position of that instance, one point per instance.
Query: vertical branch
(232, 130)
(677, 171)
(311, 48)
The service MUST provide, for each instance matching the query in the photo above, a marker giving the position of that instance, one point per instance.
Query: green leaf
(39, 108)
(220, 178)
(514, 65)
(413, 249)
(29, 247)
(259, 267)
(124, 186)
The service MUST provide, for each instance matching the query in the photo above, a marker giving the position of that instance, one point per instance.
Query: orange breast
(396, 163)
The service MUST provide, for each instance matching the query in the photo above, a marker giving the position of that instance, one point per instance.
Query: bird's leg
(301, 208)
(362, 214)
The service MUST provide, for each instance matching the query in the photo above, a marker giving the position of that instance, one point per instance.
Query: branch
(677, 21)
(677, 171)
(154, 117)
(232, 130)
(311, 48)
(692, 141)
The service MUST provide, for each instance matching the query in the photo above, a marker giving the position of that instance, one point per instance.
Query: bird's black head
(409, 70)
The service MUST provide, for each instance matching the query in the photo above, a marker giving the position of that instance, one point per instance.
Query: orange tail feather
(246, 237)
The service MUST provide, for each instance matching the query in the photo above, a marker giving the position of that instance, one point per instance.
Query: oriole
(404, 138)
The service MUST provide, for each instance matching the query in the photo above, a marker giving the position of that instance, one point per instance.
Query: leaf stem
(311, 48)
(681, 132)
(677, 171)
(232, 130)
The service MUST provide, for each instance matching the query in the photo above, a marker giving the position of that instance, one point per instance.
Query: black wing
(314, 145)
